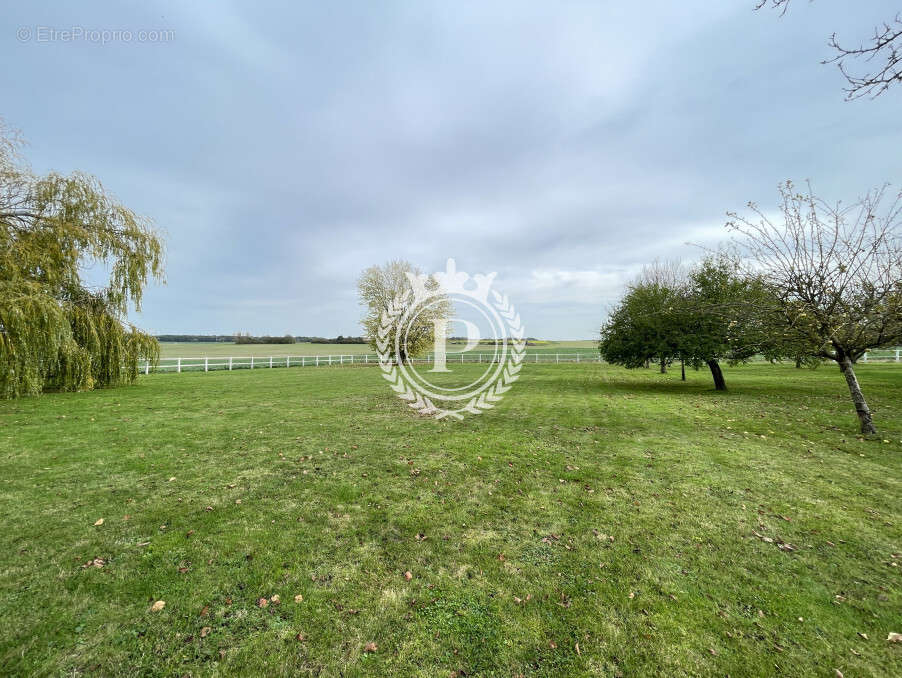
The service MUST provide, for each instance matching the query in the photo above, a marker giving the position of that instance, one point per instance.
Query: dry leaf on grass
(99, 522)
(408, 576)
(157, 606)
(894, 637)
(370, 647)
(205, 631)
(262, 602)
(299, 598)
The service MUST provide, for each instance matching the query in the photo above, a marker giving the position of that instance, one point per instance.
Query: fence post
(206, 364)
(147, 364)
(317, 361)
(270, 361)
(179, 366)
(330, 359)
(897, 355)
(230, 363)
(864, 358)
(366, 358)
(341, 360)
(287, 361)
(252, 362)
(537, 357)
(557, 357)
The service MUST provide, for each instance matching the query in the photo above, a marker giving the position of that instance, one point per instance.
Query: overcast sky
(284, 147)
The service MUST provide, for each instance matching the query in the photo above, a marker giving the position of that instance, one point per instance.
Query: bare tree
(381, 287)
(884, 50)
(835, 274)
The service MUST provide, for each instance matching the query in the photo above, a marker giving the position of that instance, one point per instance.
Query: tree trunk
(719, 383)
(798, 363)
(663, 366)
(861, 407)
(683, 370)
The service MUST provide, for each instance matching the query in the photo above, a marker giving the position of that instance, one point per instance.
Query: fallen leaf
(205, 611)
(370, 647)
(408, 576)
(262, 602)
(300, 637)
(275, 600)
(894, 637)
(552, 645)
(298, 598)
(99, 522)
(837, 673)
(576, 645)
(863, 635)
(157, 606)
(205, 631)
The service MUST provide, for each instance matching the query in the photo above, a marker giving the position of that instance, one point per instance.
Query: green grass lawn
(597, 522)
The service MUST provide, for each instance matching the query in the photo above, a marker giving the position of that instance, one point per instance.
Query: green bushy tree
(703, 317)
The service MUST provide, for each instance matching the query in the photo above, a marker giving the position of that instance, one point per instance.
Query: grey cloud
(285, 148)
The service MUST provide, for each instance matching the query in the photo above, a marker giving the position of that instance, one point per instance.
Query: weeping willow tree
(56, 331)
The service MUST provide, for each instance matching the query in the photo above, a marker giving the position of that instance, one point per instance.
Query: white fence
(893, 354)
(208, 364)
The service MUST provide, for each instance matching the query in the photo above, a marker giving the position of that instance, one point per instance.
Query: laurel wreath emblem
(486, 398)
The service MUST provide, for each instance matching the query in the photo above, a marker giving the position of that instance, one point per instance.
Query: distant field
(218, 349)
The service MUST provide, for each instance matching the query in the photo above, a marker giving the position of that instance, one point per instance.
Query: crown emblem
(451, 281)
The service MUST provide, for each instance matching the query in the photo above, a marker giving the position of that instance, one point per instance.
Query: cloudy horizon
(283, 150)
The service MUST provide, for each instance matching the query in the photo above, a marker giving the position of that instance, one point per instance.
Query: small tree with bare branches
(883, 49)
(835, 274)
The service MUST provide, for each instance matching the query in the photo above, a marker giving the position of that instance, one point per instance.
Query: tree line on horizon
(245, 338)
